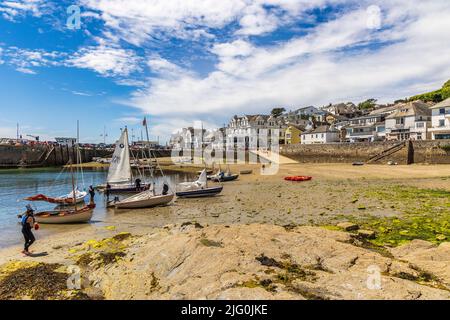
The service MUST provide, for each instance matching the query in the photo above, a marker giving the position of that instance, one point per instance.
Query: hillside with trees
(435, 96)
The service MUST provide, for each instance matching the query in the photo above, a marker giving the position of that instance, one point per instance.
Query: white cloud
(315, 69)
(25, 60)
(25, 70)
(136, 21)
(108, 61)
(15, 8)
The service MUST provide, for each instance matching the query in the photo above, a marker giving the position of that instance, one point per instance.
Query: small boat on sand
(224, 176)
(144, 200)
(246, 171)
(65, 216)
(198, 188)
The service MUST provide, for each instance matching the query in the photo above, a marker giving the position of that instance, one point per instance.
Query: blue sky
(183, 61)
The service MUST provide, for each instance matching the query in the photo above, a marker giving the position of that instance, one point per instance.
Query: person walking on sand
(28, 223)
(92, 194)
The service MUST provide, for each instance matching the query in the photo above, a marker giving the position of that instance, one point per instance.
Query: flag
(144, 123)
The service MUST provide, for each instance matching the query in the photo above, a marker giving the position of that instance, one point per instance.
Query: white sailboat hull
(68, 199)
(144, 200)
(79, 217)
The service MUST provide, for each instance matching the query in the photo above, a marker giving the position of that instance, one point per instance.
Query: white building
(66, 141)
(366, 129)
(247, 131)
(321, 135)
(410, 121)
(187, 138)
(440, 120)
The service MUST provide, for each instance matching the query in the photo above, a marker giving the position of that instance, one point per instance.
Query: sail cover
(120, 169)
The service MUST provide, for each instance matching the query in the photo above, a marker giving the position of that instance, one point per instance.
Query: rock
(348, 226)
(428, 257)
(441, 237)
(186, 269)
(366, 234)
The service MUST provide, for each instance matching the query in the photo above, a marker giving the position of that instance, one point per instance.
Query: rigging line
(81, 168)
(139, 171)
(57, 177)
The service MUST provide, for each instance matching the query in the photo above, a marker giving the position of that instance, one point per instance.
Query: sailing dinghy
(120, 176)
(146, 199)
(72, 215)
(225, 176)
(65, 216)
(198, 188)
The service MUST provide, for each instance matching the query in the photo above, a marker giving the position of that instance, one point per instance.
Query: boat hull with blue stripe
(206, 192)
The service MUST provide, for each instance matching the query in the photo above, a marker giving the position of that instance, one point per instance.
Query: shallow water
(15, 185)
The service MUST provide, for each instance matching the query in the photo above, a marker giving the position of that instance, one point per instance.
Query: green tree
(368, 104)
(276, 112)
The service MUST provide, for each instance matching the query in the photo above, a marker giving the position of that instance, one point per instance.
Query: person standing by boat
(108, 191)
(28, 223)
(92, 194)
(165, 190)
(137, 183)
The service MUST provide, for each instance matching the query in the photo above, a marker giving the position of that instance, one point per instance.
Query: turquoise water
(15, 185)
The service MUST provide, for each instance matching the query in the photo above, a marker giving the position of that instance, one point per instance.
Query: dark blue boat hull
(208, 192)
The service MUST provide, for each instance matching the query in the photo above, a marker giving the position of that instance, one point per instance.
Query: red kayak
(297, 178)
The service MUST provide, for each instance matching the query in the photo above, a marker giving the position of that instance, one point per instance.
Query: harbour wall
(429, 151)
(47, 155)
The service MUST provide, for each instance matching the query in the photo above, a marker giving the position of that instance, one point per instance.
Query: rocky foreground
(256, 261)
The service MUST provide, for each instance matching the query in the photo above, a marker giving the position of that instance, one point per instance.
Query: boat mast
(73, 185)
(71, 166)
(148, 145)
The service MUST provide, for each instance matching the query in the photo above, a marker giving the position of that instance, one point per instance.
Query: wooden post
(410, 159)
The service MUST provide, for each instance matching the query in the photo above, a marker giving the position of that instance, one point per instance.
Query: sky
(109, 63)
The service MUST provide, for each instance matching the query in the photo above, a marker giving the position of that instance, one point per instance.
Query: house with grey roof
(250, 131)
(320, 135)
(368, 128)
(410, 120)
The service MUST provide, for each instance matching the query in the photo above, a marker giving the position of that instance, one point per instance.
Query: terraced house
(247, 131)
(411, 120)
(369, 128)
(440, 120)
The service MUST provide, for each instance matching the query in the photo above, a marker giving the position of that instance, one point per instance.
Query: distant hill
(435, 96)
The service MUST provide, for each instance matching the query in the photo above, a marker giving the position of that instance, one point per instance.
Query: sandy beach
(263, 237)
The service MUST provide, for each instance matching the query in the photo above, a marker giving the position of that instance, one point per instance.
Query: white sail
(202, 180)
(201, 183)
(120, 169)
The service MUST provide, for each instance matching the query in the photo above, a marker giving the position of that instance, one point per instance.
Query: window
(400, 120)
(441, 123)
(442, 111)
(419, 136)
(420, 125)
(322, 135)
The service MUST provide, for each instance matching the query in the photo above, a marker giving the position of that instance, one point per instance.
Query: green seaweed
(425, 215)
(210, 243)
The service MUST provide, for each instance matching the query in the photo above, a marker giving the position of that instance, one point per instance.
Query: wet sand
(256, 198)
